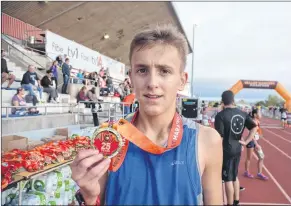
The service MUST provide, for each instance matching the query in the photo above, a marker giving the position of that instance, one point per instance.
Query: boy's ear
(184, 79)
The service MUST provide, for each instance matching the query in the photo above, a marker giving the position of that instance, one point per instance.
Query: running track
(276, 145)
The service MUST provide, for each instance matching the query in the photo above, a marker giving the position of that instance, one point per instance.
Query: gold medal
(108, 141)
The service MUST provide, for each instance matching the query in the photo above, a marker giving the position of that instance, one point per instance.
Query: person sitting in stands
(48, 87)
(86, 80)
(30, 81)
(82, 96)
(121, 91)
(94, 78)
(18, 100)
(104, 91)
(5, 75)
(93, 96)
(102, 72)
(109, 84)
(80, 76)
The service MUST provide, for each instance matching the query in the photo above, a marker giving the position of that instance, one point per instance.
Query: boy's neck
(156, 128)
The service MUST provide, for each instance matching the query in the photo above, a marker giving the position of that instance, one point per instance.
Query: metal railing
(114, 111)
(92, 82)
(22, 54)
(38, 106)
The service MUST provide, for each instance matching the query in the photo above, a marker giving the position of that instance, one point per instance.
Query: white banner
(82, 57)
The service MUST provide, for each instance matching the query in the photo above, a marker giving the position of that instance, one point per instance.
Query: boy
(176, 176)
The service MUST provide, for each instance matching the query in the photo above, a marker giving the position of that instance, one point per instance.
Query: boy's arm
(210, 150)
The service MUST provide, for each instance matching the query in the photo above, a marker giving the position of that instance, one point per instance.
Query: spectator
(82, 95)
(128, 101)
(109, 84)
(18, 100)
(121, 91)
(102, 72)
(103, 88)
(30, 81)
(59, 59)
(80, 74)
(54, 69)
(93, 97)
(48, 87)
(136, 105)
(66, 75)
(127, 82)
(5, 75)
(94, 77)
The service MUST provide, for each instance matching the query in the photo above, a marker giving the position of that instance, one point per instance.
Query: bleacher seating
(64, 114)
(66, 101)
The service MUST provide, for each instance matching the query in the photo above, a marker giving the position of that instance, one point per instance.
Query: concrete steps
(13, 85)
(8, 94)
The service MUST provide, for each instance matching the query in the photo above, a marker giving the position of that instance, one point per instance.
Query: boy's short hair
(227, 97)
(163, 35)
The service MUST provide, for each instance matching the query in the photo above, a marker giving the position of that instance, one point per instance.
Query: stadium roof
(88, 22)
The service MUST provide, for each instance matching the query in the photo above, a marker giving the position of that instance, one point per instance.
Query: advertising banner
(82, 57)
(259, 84)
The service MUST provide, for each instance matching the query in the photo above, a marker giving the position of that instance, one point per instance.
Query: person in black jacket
(30, 81)
(66, 75)
(48, 87)
(5, 75)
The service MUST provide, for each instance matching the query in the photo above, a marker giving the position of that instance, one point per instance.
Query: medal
(112, 140)
(108, 141)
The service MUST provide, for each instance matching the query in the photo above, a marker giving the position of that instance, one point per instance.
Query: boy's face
(156, 77)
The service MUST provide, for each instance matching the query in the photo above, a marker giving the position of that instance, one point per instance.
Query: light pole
(192, 71)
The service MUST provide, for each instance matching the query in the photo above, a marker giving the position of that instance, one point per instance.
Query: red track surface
(276, 145)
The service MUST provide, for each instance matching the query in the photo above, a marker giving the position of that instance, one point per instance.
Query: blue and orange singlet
(170, 178)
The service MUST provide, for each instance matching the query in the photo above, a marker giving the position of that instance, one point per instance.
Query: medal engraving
(108, 141)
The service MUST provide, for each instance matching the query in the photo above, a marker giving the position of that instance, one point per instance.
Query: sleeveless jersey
(259, 130)
(172, 178)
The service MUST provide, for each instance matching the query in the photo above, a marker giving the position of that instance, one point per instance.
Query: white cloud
(239, 40)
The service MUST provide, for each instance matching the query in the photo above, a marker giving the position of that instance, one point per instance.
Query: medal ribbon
(131, 134)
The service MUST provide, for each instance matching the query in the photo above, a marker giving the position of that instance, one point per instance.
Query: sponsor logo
(177, 162)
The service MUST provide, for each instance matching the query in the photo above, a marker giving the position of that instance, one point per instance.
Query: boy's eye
(142, 70)
(165, 71)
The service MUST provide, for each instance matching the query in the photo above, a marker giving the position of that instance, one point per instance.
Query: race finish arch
(241, 84)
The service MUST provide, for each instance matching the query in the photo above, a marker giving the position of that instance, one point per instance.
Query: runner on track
(254, 146)
(187, 169)
(284, 117)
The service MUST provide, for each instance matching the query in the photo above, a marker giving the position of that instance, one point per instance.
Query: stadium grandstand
(64, 71)
(39, 33)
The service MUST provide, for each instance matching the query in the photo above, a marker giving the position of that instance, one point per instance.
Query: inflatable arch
(241, 84)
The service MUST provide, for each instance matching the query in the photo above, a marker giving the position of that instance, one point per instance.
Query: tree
(261, 103)
(274, 100)
(241, 102)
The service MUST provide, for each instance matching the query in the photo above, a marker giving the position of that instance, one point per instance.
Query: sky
(237, 40)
